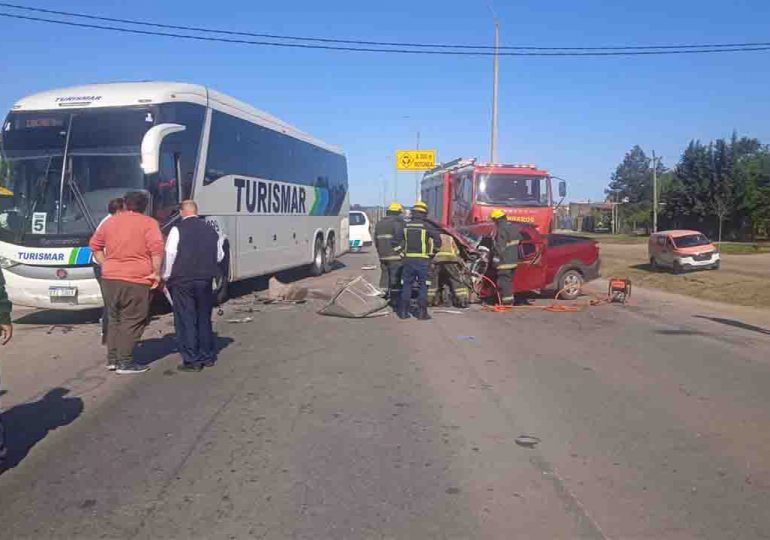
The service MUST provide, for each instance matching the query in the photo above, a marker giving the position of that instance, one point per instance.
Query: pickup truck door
(530, 274)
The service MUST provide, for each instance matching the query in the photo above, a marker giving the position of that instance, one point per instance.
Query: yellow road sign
(415, 160)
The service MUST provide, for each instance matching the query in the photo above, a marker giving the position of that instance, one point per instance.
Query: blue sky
(574, 117)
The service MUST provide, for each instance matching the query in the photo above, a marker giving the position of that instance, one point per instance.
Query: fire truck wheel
(570, 284)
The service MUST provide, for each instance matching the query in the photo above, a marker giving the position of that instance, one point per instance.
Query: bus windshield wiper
(80, 200)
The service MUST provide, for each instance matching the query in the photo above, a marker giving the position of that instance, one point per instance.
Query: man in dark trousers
(129, 249)
(420, 240)
(507, 239)
(193, 252)
(6, 332)
(390, 255)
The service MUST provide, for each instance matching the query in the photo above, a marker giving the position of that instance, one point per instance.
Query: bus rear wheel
(319, 257)
(329, 255)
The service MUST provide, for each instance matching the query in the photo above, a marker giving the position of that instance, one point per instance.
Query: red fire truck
(464, 192)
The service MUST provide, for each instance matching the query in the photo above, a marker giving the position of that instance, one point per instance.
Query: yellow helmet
(497, 214)
(420, 207)
(395, 207)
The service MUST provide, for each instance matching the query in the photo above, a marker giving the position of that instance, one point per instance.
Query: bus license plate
(62, 293)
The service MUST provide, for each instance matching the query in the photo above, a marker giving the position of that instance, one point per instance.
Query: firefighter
(507, 239)
(390, 255)
(420, 239)
(448, 272)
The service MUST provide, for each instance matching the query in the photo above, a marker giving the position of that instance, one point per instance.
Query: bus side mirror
(151, 145)
(562, 189)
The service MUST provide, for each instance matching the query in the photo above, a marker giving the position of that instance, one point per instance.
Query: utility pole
(395, 182)
(417, 173)
(654, 193)
(495, 78)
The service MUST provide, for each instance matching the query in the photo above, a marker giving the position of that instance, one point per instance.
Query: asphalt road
(653, 420)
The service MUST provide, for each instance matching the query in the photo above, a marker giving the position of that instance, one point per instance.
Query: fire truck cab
(464, 191)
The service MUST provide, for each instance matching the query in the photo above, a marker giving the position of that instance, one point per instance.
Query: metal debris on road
(527, 441)
(240, 321)
(355, 299)
(369, 267)
(466, 338)
(450, 311)
(64, 329)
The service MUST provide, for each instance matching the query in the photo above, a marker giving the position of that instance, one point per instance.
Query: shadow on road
(29, 423)
(736, 324)
(60, 318)
(151, 350)
(680, 332)
(259, 284)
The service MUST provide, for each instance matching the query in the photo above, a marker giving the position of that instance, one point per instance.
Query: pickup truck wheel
(570, 284)
(678, 267)
(715, 266)
(654, 264)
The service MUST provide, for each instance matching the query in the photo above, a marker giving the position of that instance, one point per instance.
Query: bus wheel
(221, 283)
(317, 266)
(329, 256)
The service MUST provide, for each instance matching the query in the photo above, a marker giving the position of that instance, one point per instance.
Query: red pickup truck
(547, 263)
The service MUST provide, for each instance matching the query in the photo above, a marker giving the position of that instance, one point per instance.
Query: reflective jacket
(420, 239)
(384, 233)
(507, 239)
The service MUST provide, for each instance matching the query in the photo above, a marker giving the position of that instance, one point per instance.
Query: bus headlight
(7, 263)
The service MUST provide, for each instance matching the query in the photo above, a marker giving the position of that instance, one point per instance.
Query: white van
(360, 231)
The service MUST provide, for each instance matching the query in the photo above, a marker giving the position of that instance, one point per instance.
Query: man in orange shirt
(129, 248)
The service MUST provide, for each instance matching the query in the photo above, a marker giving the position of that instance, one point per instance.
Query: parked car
(682, 250)
(547, 263)
(360, 230)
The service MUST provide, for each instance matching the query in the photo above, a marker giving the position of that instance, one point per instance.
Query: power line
(381, 50)
(740, 46)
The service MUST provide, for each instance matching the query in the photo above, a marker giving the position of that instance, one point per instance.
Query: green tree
(631, 184)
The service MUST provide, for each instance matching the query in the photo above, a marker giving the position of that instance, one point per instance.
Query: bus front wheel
(221, 281)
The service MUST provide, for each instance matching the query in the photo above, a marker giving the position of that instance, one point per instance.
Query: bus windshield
(99, 152)
(512, 190)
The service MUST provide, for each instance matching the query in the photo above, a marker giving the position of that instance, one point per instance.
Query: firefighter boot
(422, 313)
(403, 310)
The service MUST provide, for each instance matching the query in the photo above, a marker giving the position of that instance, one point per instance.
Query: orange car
(682, 250)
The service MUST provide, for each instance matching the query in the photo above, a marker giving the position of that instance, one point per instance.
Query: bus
(277, 196)
(465, 191)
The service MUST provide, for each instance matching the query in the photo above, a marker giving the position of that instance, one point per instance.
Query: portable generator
(619, 290)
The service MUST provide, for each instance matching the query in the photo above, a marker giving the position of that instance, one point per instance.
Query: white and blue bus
(278, 196)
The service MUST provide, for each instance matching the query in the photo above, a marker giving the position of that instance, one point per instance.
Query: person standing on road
(193, 252)
(115, 206)
(129, 248)
(419, 240)
(6, 333)
(507, 239)
(390, 255)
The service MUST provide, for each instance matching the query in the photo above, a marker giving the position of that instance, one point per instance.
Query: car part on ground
(355, 299)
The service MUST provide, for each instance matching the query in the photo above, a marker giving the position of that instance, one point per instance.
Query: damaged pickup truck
(547, 263)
